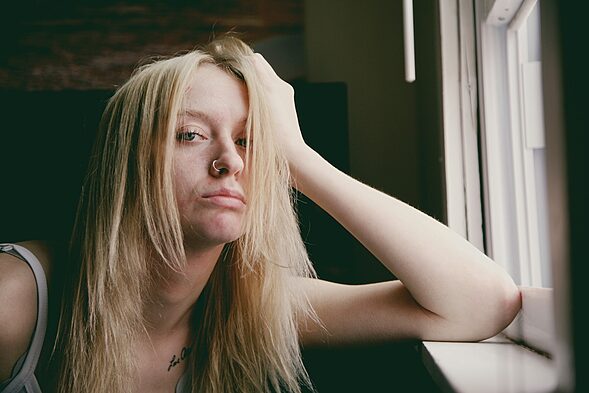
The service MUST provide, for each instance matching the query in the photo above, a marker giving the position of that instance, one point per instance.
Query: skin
(463, 297)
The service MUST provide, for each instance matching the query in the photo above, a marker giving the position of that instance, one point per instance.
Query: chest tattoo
(177, 359)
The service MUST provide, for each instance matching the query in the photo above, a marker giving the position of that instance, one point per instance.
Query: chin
(224, 238)
(212, 235)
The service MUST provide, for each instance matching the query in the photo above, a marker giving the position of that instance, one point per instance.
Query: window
(514, 159)
(532, 164)
(513, 141)
(495, 149)
(506, 68)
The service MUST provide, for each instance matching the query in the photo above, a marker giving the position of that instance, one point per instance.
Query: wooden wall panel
(81, 45)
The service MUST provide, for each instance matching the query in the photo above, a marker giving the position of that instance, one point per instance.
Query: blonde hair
(247, 338)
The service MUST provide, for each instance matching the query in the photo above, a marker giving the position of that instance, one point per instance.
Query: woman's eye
(189, 136)
(243, 142)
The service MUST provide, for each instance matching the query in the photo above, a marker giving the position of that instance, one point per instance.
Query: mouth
(225, 198)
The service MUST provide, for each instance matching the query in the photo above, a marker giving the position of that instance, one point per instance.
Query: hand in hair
(283, 116)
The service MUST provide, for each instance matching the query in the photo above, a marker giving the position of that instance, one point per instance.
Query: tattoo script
(177, 359)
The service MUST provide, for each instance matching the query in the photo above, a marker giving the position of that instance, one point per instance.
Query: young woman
(187, 270)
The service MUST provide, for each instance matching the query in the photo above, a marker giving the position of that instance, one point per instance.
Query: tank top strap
(24, 380)
(184, 383)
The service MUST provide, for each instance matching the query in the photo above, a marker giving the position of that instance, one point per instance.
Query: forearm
(443, 272)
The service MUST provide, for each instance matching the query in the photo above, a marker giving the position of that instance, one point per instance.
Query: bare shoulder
(362, 313)
(18, 304)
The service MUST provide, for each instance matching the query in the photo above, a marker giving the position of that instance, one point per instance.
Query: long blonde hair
(128, 230)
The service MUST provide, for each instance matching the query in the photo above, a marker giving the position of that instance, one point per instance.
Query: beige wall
(361, 44)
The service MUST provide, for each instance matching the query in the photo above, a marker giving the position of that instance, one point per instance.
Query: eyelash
(243, 142)
(189, 136)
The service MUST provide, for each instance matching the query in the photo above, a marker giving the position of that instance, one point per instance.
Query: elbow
(511, 304)
(486, 313)
(504, 304)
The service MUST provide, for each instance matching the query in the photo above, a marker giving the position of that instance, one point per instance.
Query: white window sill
(534, 324)
(491, 366)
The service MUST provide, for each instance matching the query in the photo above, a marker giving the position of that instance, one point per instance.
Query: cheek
(187, 171)
(181, 180)
(184, 186)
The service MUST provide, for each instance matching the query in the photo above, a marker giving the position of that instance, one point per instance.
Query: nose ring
(215, 166)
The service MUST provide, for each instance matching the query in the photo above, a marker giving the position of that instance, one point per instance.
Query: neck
(176, 294)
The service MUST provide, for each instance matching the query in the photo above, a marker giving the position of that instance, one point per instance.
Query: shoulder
(18, 304)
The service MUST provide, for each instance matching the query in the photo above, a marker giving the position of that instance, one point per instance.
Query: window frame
(534, 327)
(508, 218)
(460, 123)
(515, 231)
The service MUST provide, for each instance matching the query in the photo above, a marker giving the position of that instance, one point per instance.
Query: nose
(228, 161)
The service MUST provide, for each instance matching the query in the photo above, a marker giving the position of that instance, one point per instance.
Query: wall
(395, 137)
(361, 43)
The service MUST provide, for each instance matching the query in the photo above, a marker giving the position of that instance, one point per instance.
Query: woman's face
(211, 127)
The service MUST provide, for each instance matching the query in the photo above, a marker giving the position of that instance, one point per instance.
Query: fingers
(263, 65)
(270, 79)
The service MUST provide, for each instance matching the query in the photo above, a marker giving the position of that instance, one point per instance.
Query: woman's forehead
(212, 117)
(213, 95)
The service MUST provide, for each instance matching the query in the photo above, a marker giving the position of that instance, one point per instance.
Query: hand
(282, 111)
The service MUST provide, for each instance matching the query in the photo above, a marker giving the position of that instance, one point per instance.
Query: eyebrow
(195, 113)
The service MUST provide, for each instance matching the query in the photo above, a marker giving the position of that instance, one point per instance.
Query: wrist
(303, 163)
(298, 152)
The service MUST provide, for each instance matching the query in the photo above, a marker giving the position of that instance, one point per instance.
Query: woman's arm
(18, 313)
(449, 291)
(18, 304)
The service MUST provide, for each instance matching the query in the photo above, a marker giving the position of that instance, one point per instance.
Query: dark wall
(428, 84)
(565, 84)
(395, 129)
(45, 141)
(376, 368)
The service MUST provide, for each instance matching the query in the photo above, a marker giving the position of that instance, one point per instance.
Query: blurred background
(61, 60)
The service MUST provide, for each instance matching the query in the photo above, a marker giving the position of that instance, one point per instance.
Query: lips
(225, 197)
